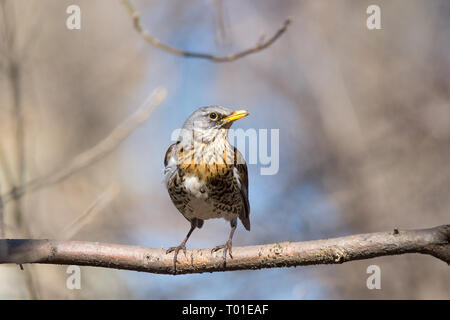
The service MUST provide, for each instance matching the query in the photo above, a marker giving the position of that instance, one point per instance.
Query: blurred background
(364, 120)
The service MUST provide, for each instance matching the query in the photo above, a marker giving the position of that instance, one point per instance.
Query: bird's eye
(213, 116)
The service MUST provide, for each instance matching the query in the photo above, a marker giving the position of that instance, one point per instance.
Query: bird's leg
(227, 246)
(182, 246)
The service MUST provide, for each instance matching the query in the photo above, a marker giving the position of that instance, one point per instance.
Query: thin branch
(90, 156)
(94, 208)
(434, 242)
(14, 74)
(156, 43)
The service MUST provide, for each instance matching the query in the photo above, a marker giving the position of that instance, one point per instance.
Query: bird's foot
(176, 250)
(226, 249)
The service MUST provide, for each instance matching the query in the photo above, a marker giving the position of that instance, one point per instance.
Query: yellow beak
(236, 115)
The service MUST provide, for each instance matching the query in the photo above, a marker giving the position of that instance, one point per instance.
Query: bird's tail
(245, 222)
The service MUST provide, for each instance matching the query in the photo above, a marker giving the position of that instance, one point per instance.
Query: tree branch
(434, 241)
(156, 43)
(97, 152)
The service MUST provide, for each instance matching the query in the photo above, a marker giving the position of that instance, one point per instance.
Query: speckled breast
(203, 186)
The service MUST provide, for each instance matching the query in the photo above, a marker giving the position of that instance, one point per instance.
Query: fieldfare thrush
(206, 176)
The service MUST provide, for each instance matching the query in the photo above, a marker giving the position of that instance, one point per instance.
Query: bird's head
(206, 123)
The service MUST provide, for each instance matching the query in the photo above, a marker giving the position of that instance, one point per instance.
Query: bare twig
(156, 43)
(97, 206)
(434, 242)
(88, 157)
(13, 68)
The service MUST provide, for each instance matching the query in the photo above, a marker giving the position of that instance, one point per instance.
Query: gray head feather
(204, 124)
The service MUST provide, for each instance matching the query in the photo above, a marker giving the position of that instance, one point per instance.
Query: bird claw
(226, 249)
(176, 250)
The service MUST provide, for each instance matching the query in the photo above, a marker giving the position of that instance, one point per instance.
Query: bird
(206, 177)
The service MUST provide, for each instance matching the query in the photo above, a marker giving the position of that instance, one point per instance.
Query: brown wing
(196, 222)
(241, 166)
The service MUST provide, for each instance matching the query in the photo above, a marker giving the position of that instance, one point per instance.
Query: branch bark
(434, 242)
(261, 45)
